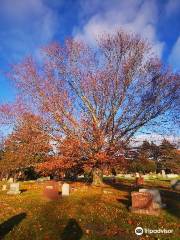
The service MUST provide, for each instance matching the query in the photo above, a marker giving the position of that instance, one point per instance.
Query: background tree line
(149, 157)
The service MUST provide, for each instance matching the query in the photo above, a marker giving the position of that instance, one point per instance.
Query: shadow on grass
(8, 225)
(169, 196)
(72, 231)
(126, 202)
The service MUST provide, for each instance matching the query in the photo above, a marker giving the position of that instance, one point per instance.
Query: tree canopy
(93, 99)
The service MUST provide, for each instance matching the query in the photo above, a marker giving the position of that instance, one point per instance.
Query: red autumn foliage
(95, 99)
(27, 145)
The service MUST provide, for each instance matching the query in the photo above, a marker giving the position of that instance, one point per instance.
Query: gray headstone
(155, 193)
(65, 189)
(14, 188)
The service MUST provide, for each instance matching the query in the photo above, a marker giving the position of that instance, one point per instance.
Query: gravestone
(65, 189)
(4, 187)
(14, 188)
(156, 197)
(137, 175)
(163, 173)
(51, 190)
(175, 184)
(142, 203)
(141, 200)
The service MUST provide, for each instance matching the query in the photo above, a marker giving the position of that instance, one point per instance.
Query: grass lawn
(88, 213)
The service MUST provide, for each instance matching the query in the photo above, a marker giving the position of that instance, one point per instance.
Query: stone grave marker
(65, 189)
(51, 190)
(137, 175)
(163, 173)
(142, 203)
(14, 189)
(157, 201)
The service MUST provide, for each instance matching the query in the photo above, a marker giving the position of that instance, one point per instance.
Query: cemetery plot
(100, 213)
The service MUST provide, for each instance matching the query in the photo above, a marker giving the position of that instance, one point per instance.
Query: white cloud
(174, 58)
(156, 138)
(135, 16)
(27, 24)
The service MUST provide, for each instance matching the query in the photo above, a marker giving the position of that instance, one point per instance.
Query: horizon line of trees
(150, 157)
(25, 149)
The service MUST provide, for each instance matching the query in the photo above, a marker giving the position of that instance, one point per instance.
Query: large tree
(98, 96)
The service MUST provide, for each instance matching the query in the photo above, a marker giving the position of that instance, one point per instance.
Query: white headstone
(137, 175)
(4, 187)
(163, 173)
(65, 189)
(14, 188)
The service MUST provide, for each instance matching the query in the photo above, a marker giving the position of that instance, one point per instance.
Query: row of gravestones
(49, 189)
(148, 176)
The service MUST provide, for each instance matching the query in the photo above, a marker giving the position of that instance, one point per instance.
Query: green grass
(93, 214)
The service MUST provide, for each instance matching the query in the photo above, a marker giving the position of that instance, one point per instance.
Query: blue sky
(26, 25)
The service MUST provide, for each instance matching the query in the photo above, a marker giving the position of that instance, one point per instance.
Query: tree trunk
(97, 177)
